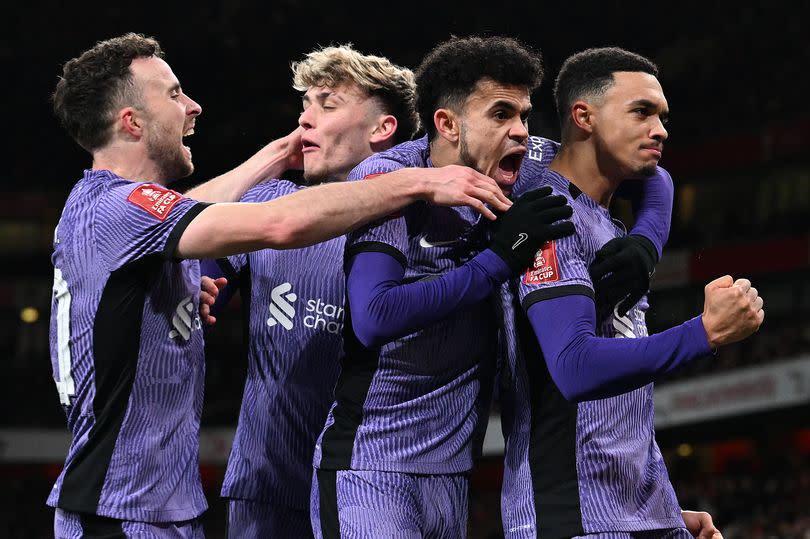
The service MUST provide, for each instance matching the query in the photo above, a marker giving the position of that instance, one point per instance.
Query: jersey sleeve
(559, 269)
(135, 220)
(652, 202)
(387, 235)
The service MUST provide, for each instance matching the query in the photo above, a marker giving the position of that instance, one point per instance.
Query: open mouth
(509, 166)
(187, 133)
(308, 145)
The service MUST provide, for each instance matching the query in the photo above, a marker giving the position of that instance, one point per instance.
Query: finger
(758, 303)
(560, 230)
(600, 269)
(745, 284)
(479, 206)
(721, 282)
(760, 317)
(491, 198)
(628, 303)
(221, 282)
(205, 310)
(607, 250)
(546, 215)
(492, 186)
(550, 201)
(210, 320)
(537, 194)
(206, 298)
(752, 294)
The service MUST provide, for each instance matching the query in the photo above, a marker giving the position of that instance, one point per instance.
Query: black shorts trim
(375, 247)
(97, 527)
(327, 504)
(555, 292)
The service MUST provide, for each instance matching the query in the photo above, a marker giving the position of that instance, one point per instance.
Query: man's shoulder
(410, 154)
(268, 190)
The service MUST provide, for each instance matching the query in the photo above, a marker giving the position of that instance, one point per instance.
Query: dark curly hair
(449, 73)
(96, 84)
(590, 74)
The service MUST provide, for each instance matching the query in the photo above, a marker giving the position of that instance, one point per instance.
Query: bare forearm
(269, 162)
(303, 218)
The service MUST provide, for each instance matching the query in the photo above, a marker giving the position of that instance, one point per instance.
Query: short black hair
(590, 73)
(450, 72)
(95, 84)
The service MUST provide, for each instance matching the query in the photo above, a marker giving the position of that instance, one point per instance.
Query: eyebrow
(647, 104)
(321, 96)
(504, 104)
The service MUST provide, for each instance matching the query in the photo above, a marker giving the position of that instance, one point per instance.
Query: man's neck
(127, 161)
(442, 153)
(578, 163)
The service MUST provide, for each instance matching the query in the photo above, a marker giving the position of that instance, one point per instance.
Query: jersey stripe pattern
(414, 405)
(127, 352)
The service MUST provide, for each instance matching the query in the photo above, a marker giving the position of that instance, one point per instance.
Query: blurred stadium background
(735, 429)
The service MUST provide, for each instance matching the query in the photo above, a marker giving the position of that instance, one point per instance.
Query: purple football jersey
(294, 298)
(127, 352)
(586, 467)
(415, 404)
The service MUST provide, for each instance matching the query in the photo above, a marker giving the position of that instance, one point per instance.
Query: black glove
(528, 224)
(622, 270)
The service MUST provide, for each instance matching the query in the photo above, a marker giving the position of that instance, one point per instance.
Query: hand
(732, 310)
(700, 525)
(209, 290)
(294, 158)
(622, 270)
(529, 224)
(455, 185)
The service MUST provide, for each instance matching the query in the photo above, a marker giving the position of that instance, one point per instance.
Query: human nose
(659, 132)
(192, 107)
(519, 130)
(307, 118)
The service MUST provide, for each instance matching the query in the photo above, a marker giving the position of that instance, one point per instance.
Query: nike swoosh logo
(425, 244)
(521, 238)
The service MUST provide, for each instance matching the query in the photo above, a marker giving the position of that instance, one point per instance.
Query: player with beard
(421, 328)
(353, 105)
(126, 352)
(581, 456)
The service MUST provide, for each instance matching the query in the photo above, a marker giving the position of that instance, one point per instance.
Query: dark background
(736, 80)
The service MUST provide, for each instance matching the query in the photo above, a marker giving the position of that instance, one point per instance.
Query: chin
(647, 170)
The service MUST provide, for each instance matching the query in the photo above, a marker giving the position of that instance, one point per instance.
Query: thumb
(721, 282)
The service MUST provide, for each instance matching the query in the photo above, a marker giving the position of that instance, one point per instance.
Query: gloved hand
(528, 224)
(622, 271)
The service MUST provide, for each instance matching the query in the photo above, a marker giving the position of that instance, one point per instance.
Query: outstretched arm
(326, 211)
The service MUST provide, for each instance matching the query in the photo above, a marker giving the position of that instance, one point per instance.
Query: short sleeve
(135, 220)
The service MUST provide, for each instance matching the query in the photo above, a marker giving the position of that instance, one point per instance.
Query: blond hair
(393, 85)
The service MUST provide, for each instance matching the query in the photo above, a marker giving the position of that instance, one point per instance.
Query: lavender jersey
(415, 404)
(294, 301)
(587, 467)
(127, 352)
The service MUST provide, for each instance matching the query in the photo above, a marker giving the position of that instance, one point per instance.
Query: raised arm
(271, 161)
(623, 267)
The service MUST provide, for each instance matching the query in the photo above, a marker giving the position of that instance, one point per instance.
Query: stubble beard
(169, 158)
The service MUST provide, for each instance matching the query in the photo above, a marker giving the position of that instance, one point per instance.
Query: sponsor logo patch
(545, 268)
(155, 199)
